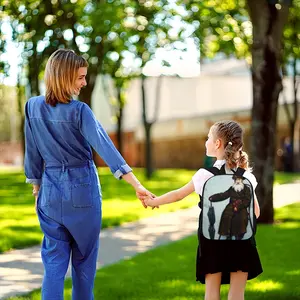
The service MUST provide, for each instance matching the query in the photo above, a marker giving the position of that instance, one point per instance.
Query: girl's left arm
(172, 196)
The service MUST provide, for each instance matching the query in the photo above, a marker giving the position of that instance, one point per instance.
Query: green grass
(282, 178)
(168, 272)
(19, 226)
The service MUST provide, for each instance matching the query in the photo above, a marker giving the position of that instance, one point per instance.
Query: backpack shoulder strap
(240, 171)
(222, 170)
(215, 170)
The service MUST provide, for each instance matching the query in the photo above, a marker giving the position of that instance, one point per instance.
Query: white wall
(181, 99)
(100, 103)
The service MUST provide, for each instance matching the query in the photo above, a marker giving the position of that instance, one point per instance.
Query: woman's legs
(55, 255)
(82, 218)
(83, 272)
(238, 282)
(212, 286)
(85, 247)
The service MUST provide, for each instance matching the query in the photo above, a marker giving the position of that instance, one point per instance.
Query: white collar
(219, 163)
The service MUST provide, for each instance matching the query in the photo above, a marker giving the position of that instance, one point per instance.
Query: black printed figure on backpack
(234, 219)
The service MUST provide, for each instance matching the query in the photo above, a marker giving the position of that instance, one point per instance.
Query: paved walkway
(21, 270)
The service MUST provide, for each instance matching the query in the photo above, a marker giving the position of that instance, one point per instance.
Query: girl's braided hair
(231, 134)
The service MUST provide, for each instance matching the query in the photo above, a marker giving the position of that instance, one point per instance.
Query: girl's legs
(212, 286)
(238, 282)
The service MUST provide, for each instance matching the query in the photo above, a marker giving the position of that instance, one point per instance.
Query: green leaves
(103, 31)
(291, 45)
(220, 26)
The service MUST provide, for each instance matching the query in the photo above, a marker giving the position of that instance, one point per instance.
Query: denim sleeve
(97, 137)
(33, 162)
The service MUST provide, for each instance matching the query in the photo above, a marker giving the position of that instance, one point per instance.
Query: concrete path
(22, 271)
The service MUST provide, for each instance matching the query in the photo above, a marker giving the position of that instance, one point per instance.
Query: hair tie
(230, 143)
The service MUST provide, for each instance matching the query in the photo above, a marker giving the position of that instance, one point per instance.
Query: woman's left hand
(36, 198)
(35, 193)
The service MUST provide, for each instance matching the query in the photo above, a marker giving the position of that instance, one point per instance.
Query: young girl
(221, 262)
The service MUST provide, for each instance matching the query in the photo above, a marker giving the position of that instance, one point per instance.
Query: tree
(291, 51)
(116, 68)
(152, 25)
(40, 28)
(94, 29)
(89, 28)
(220, 27)
(224, 26)
(102, 26)
(117, 100)
(268, 21)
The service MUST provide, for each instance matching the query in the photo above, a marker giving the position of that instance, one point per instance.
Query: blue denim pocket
(44, 197)
(81, 195)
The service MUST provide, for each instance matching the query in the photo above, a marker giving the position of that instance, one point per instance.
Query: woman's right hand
(142, 193)
(149, 201)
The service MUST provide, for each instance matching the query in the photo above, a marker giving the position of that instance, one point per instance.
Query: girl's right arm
(256, 207)
(172, 196)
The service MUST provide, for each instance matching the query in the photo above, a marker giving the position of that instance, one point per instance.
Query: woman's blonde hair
(231, 134)
(60, 75)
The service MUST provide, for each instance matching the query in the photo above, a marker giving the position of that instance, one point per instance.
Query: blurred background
(161, 72)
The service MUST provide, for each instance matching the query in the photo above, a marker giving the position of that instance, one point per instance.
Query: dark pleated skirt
(214, 256)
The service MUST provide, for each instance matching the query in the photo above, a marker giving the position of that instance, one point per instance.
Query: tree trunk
(297, 145)
(120, 120)
(268, 23)
(147, 127)
(295, 131)
(20, 96)
(292, 121)
(289, 156)
(33, 74)
(148, 148)
(86, 93)
(93, 72)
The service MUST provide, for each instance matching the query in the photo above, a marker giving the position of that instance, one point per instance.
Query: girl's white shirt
(202, 175)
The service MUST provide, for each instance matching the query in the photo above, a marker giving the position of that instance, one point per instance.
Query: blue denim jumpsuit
(58, 157)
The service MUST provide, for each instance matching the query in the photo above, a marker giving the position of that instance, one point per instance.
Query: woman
(59, 134)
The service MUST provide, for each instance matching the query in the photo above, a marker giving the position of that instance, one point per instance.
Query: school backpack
(227, 206)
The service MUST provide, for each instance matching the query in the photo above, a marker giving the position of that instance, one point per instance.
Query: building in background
(187, 109)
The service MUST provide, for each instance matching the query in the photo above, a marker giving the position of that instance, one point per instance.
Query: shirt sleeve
(33, 162)
(97, 137)
(199, 179)
(251, 178)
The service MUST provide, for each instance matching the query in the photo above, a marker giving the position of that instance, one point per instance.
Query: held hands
(143, 194)
(149, 201)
